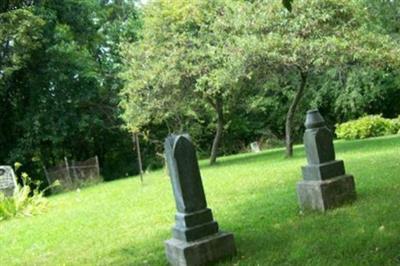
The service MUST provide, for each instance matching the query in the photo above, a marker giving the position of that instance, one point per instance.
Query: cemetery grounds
(252, 195)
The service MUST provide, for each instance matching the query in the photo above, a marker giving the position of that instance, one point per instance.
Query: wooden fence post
(98, 166)
(68, 174)
(47, 175)
(73, 167)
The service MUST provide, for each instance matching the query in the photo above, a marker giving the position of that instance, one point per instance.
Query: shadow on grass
(299, 152)
(365, 232)
(250, 158)
(136, 255)
(367, 144)
(270, 230)
(346, 236)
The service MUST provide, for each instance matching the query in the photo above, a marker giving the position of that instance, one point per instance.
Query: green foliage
(186, 51)
(348, 94)
(253, 53)
(59, 85)
(27, 200)
(21, 204)
(395, 125)
(60, 65)
(18, 43)
(302, 46)
(367, 126)
(185, 69)
(287, 4)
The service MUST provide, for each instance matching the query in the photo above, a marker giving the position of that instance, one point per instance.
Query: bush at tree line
(368, 126)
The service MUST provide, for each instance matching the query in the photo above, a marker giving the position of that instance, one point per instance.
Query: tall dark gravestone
(325, 184)
(196, 238)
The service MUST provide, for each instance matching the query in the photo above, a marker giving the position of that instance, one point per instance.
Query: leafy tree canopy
(59, 64)
(204, 53)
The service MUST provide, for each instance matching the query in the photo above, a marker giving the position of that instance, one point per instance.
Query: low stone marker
(255, 147)
(196, 237)
(8, 181)
(325, 184)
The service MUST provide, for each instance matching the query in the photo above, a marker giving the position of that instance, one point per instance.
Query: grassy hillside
(251, 195)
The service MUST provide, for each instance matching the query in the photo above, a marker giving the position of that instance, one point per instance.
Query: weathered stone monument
(325, 184)
(196, 237)
(255, 147)
(8, 181)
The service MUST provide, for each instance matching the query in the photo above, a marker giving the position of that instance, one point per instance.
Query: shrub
(367, 126)
(25, 201)
(396, 125)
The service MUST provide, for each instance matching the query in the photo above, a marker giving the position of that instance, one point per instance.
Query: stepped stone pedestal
(197, 239)
(325, 184)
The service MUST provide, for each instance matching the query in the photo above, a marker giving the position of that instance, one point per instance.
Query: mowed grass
(251, 195)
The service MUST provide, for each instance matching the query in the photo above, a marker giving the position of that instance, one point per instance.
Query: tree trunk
(220, 127)
(135, 139)
(291, 112)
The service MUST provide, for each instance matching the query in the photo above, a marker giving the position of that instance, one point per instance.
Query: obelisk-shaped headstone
(325, 184)
(196, 237)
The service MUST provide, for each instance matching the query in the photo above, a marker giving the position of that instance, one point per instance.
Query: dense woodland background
(78, 77)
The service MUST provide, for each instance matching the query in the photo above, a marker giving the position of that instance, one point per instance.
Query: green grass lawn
(251, 195)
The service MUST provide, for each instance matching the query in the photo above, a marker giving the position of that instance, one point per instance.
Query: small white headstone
(8, 181)
(255, 147)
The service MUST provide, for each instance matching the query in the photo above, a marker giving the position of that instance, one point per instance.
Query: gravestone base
(326, 194)
(196, 232)
(8, 192)
(323, 171)
(204, 251)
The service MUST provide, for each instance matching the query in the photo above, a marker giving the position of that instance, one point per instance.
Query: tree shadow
(282, 235)
(250, 158)
(278, 154)
(345, 146)
(269, 228)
